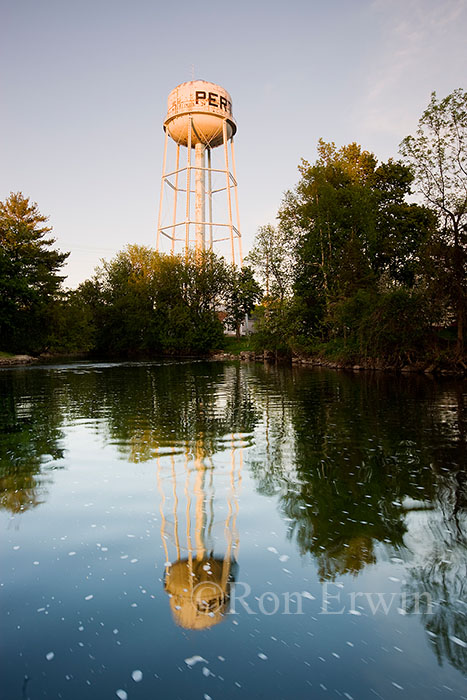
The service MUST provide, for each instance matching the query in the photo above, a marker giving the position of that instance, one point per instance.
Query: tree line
(139, 303)
(352, 269)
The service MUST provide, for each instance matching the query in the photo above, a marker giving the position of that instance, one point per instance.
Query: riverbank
(234, 352)
(7, 360)
(430, 367)
(10, 360)
(445, 367)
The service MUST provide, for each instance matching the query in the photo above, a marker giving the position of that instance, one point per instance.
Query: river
(225, 530)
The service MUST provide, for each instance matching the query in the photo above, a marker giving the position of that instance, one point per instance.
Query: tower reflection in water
(199, 509)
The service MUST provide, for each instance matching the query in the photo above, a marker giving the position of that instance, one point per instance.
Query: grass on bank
(235, 346)
(5, 355)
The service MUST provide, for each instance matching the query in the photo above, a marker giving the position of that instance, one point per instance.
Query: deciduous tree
(437, 154)
(242, 293)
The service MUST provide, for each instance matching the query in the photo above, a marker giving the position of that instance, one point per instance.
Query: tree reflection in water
(188, 418)
(362, 466)
(30, 439)
(378, 460)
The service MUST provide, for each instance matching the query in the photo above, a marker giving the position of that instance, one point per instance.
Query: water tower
(198, 205)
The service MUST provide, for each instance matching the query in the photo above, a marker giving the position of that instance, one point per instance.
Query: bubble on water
(115, 631)
(36, 563)
(192, 660)
(50, 655)
(308, 595)
(133, 561)
(262, 656)
(459, 642)
(121, 694)
(284, 557)
(71, 554)
(396, 685)
(137, 676)
(206, 672)
(16, 547)
(273, 550)
(88, 597)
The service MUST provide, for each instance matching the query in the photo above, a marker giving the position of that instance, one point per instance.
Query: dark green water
(207, 530)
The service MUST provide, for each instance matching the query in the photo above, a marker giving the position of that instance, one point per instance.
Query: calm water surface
(208, 530)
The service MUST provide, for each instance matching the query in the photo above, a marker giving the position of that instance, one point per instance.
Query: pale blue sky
(85, 86)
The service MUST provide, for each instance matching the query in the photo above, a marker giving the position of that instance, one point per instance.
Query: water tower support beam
(209, 197)
(188, 189)
(229, 198)
(234, 171)
(200, 196)
(162, 190)
(174, 218)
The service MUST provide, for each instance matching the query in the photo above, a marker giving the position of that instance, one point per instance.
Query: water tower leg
(200, 191)
(162, 193)
(188, 190)
(210, 197)
(234, 172)
(229, 197)
(174, 218)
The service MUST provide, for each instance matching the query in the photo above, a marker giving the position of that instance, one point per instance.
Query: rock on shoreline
(17, 360)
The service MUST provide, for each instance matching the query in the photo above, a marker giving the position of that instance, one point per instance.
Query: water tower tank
(206, 105)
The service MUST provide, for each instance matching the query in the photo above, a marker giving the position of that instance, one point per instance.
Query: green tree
(72, 328)
(242, 293)
(353, 230)
(143, 302)
(437, 154)
(29, 279)
(331, 205)
(272, 260)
